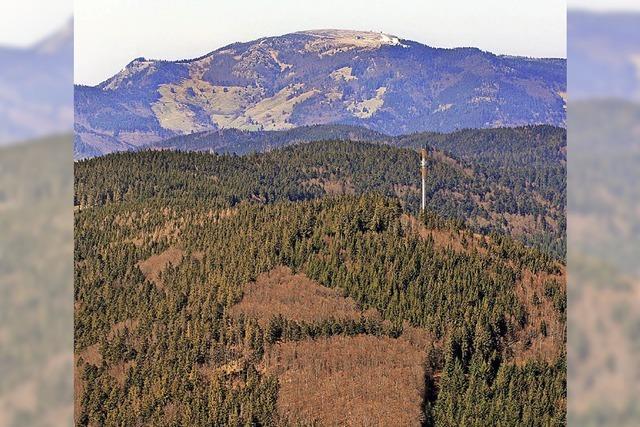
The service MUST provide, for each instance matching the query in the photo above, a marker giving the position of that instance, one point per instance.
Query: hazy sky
(24, 22)
(110, 33)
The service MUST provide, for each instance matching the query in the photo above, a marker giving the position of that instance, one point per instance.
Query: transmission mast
(423, 168)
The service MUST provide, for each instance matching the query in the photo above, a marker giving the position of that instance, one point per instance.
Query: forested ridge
(489, 198)
(528, 157)
(244, 142)
(166, 243)
(516, 161)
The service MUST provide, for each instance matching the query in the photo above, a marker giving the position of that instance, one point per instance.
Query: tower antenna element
(423, 168)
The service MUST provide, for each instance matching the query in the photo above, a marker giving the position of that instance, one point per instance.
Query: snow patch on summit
(391, 40)
(330, 42)
(136, 66)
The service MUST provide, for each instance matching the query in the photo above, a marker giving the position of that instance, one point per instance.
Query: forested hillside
(175, 347)
(604, 202)
(526, 160)
(522, 199)
(36, 188)
(301, 287)
(529, 158)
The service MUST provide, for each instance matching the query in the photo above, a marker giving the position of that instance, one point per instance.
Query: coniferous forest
(245, 290)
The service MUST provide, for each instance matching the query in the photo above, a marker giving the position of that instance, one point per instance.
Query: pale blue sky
(109, 33)
(25, 22)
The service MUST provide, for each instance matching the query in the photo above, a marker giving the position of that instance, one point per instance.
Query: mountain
(387, 84)
(603, 206)
(604, 225)
(268, 315)
(36, 98)
(262, 289)
(604, 52)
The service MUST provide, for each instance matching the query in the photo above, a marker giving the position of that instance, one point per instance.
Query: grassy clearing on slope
(359, 380)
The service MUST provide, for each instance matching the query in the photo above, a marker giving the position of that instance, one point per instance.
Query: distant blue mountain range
(378, 81)
(36, 88)
(604, 55)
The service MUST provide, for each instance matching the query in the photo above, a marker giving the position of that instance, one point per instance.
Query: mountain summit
(370, 79)
(345, 39)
